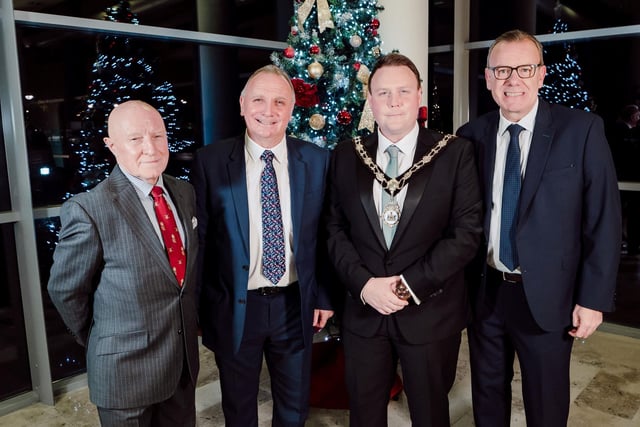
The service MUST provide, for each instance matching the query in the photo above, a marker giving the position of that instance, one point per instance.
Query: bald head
(138, 140)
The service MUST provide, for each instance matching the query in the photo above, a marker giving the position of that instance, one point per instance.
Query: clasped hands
(382, 293)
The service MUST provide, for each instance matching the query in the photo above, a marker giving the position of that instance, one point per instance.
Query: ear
(487, 78)
(241, 101)
(542, 72)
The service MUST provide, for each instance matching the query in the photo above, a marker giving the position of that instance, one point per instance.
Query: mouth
(513, 94)
(266, 121)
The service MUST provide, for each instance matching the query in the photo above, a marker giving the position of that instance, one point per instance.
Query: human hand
(585, 322)
(379, 293)
(320, 318)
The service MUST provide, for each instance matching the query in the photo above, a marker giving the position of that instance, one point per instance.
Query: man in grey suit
(129, 301)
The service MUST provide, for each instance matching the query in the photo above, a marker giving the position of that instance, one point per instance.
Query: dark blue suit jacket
(569, 224)
(219, 177)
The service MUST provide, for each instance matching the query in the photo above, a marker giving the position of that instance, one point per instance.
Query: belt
(266, 291)
(507, 277)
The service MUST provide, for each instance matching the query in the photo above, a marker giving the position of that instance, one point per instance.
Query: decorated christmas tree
(120, 72)
(332, 48)
(563, 83)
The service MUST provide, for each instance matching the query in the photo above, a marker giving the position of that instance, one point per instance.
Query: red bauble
(344, 117)
(375, 23)
(422, 116)
(372, 31)
(314, 50)
(289, 52)
(422, 113)
(356, 66)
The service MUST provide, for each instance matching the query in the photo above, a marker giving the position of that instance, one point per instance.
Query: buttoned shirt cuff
(414, 296)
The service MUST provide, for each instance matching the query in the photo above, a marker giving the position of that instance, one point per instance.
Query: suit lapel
(416, 187)
(297, 181)
(538, 155)
(236, 169)
(127, 202)
(365, 188)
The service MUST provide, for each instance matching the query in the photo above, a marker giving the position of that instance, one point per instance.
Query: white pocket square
(194, 222)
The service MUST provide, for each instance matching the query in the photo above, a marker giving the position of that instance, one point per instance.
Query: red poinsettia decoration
(306, 94)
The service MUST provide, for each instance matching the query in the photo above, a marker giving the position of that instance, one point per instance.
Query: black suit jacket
(438, 233)
(568, 227)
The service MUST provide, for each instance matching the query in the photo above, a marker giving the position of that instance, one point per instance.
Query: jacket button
(245, 267)
(179, 331)
(241, 301)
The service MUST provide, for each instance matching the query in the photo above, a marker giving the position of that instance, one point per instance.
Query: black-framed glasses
(503, 72)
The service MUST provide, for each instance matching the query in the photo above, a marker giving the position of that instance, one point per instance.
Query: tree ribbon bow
(324, 14)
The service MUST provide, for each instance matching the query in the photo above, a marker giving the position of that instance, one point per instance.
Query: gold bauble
(355, 41)
(315, 70)
(376, 51)
(316, 121)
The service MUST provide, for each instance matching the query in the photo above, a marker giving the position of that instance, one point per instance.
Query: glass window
(490, 18)
(440, 22)
(66, 107)
(65, 117)
(262, 19)
(14, 358)
(440, 111)
(578, 77)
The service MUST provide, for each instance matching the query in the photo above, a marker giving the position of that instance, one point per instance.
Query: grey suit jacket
(113, 286)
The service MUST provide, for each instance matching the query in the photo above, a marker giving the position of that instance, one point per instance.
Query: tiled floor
(605, 392)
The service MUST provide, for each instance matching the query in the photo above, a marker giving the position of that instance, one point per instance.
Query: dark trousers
(177, 411)
(428, 372)
(543, 356)
(273, 329)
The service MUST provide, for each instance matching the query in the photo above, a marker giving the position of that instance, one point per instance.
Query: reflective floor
(605, 391)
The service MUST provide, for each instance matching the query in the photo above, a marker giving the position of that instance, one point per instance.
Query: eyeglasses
(503, 72)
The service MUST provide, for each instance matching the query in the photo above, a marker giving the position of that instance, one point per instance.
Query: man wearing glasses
(547, 269)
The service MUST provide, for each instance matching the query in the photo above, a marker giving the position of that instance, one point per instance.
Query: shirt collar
(142, 185)
(527, 122)
(406, 144)
(255, 150)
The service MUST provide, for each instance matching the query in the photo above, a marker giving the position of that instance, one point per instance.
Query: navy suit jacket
(569, 225)
(438, 234)
(219, 177)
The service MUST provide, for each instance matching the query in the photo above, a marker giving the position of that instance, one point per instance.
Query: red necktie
(170, 234)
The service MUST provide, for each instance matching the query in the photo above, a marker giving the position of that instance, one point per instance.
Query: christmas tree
(332, 48)
(563, 83)
(121, 72)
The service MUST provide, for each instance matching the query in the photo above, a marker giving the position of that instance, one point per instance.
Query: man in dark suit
(400, 247)
(129, 302)
(259, 293)
(547, 269)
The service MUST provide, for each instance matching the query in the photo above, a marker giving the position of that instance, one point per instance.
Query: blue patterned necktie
(392, 172)
(273, 263)
(510, 197)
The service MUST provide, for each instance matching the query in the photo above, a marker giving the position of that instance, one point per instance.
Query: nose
(269, 107)
(148, 147)
(394, 99)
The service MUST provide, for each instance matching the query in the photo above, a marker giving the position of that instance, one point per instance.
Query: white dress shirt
(143, 190)
(407, 150)
(254, 166)
(502, 144)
